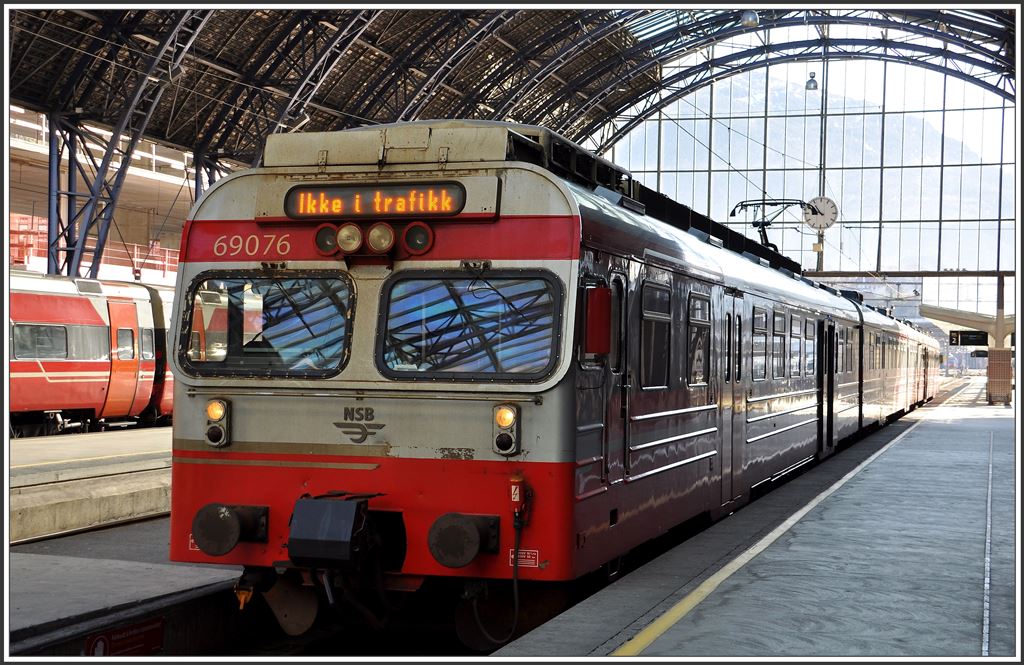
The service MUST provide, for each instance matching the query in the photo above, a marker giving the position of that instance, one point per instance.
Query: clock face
(829, 213)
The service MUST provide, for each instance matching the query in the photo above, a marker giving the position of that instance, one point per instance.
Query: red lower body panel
(422, 490)
(40, 385)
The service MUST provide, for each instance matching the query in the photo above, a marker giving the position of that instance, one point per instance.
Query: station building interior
(118, 119)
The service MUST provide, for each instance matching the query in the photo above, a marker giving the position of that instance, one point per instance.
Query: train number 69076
(252, 245)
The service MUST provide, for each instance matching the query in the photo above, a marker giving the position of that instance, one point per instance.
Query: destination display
(968, 338)
(439, 199)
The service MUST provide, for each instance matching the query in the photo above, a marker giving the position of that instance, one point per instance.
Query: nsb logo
(357, 425)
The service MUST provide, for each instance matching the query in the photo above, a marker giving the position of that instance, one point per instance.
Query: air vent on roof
(88, 286)
(210, 297)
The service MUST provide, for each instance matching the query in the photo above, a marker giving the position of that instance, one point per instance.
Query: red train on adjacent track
(87, 354)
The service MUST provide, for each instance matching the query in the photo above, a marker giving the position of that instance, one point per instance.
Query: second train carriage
(460, 349)
(86, 354)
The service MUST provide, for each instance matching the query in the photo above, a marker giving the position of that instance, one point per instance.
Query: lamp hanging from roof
(811, 83)
(749, 19)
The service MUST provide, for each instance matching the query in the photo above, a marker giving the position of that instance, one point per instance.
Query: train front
(371, 352)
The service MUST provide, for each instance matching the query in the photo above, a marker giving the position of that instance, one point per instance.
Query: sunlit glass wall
(921, 165)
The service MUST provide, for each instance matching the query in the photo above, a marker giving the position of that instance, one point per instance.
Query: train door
(124, 359)
(826, 387)
(923, 395)
(616, 440)
(734, 398)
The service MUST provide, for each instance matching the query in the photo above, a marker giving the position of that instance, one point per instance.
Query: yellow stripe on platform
(657, 628)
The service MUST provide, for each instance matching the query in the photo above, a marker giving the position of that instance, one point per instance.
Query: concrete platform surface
(48, 592)
(70, 482)
(47, 459)
(64, 588)
(913, 556)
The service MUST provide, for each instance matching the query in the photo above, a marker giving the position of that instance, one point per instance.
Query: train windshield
(460, 327)
(295, 326)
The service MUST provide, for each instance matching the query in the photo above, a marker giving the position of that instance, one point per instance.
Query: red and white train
(86, 354)
(471, 353)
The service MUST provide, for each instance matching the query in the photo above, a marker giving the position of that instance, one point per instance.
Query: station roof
(217, 81)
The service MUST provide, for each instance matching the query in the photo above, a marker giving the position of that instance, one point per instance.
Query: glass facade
(920, 163)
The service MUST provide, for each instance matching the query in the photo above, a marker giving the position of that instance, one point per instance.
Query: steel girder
(556, 61)
(317, 63)
(96, 213)
(463, 50)
(388, 85)
(509, 72)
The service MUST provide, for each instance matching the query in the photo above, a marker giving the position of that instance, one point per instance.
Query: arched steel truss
(216, 82)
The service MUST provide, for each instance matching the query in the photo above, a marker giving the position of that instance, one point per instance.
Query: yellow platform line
(657, 628)
(91, 459)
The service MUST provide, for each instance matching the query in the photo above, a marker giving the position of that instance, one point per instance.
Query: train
(87, 355)
(473, 355)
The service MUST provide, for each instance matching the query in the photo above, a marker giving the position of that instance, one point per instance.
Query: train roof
(608, 192)
(25, 280)
(675, 248)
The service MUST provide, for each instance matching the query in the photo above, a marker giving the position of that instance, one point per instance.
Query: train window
(700, 308)
(759, 346)
(125, 344)
(268, 326)
(810, 350)
(615, 354)
(88, 342)
(760, 319)
(699, 358)
(841, 349)
(728, 348)
(739, 348)
(795, 345)
(655, 336)
(463, 327)
(36, 341)
(146, 341)
(779, 346)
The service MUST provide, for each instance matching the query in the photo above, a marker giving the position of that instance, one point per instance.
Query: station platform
(61, 484)
(113, 592)
(901, 545)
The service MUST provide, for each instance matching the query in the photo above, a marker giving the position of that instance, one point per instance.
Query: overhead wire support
(762, 206)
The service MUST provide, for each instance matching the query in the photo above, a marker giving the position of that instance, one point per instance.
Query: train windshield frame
(251, 323)
(502, 325)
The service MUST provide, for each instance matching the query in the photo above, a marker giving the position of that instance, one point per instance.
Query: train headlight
(350, 238)
(505, 430)
(216, 409)
(504, 416)
(380, 238)
(218, 423)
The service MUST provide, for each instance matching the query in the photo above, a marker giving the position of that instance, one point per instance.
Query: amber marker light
(380, 237)
(350, 238)
(504, 417)
(216, 409)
